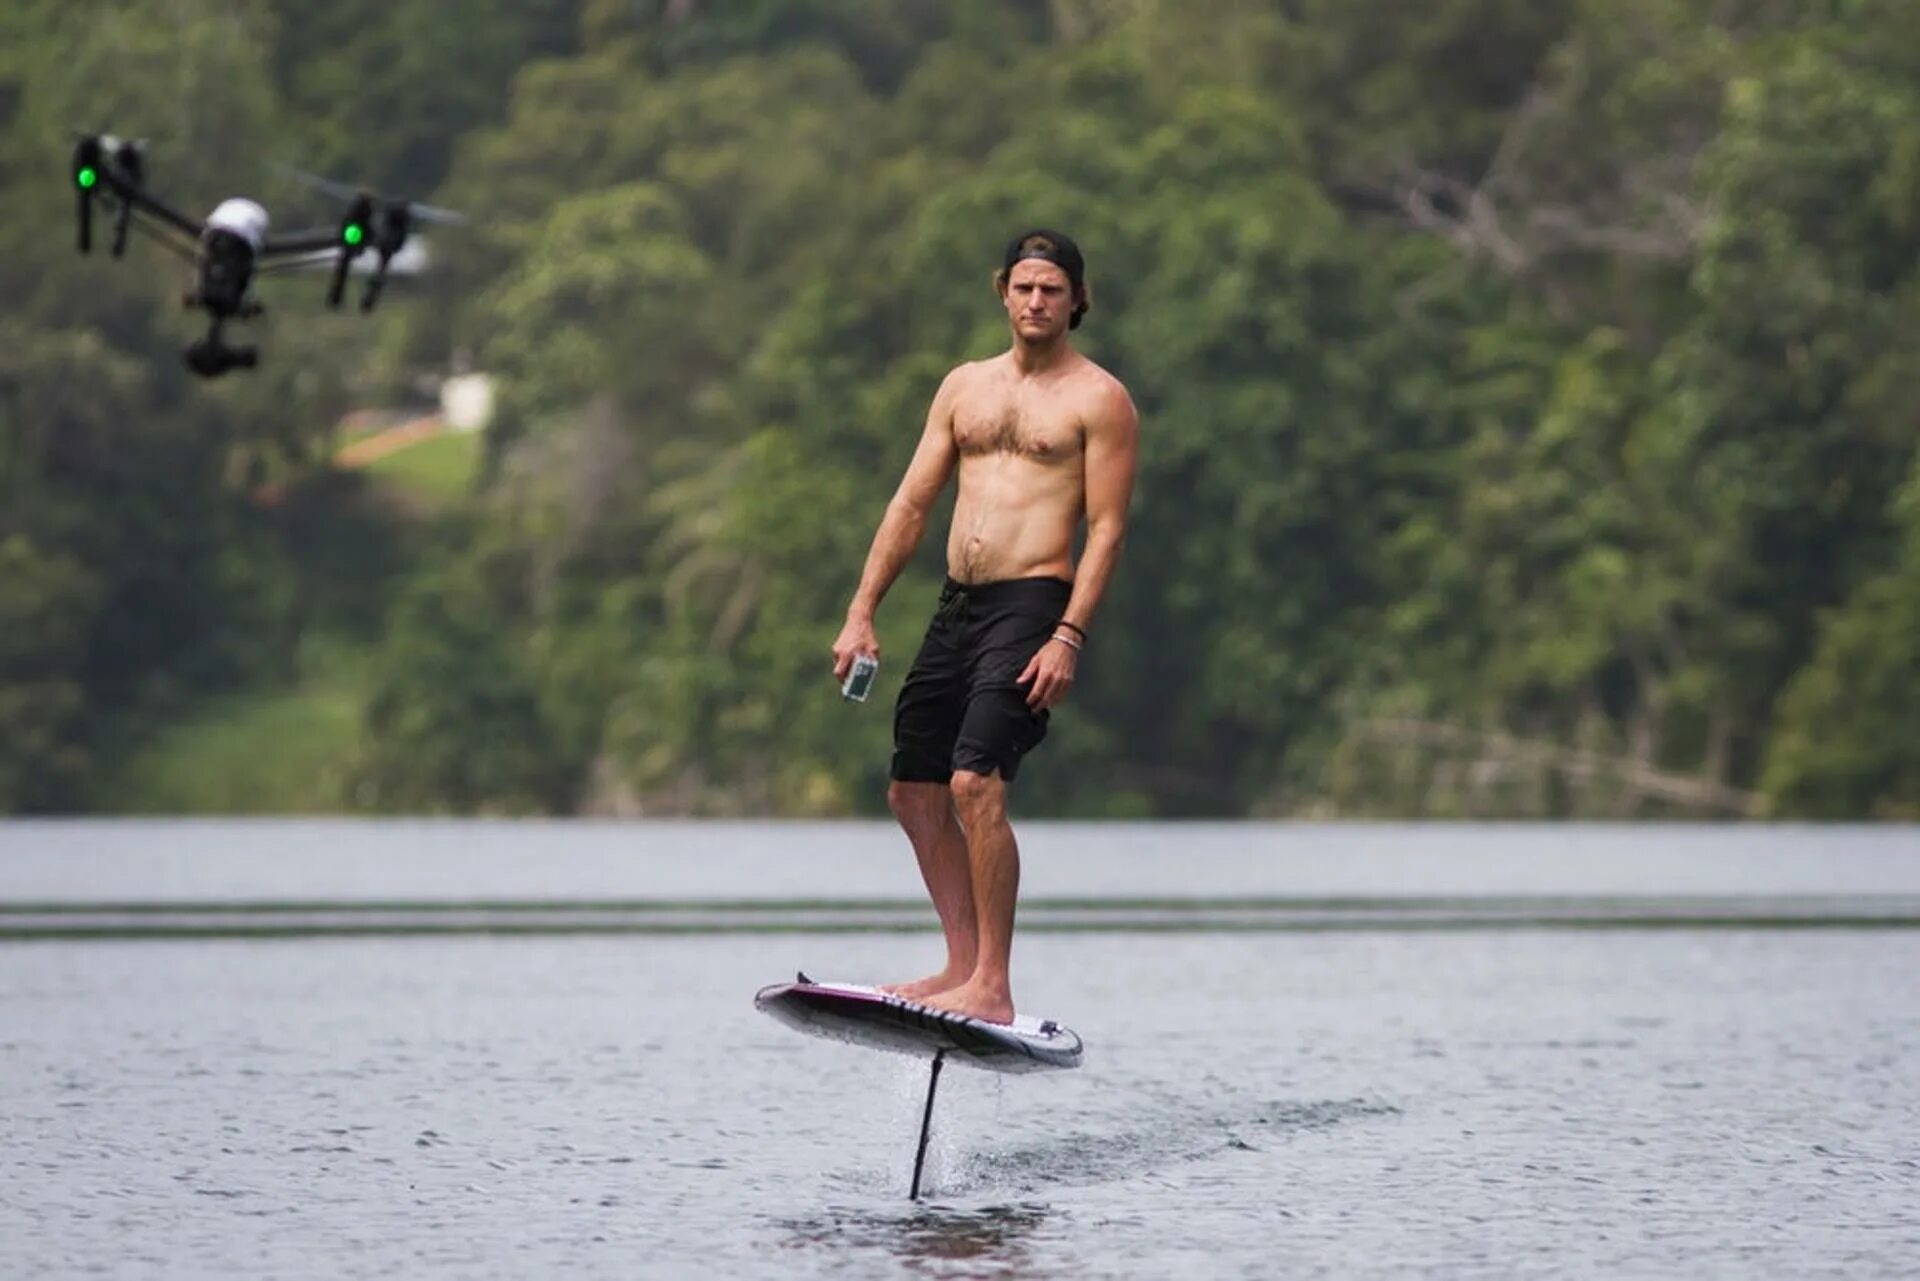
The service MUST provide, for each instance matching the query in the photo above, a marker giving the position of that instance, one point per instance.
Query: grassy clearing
(438, 471)
(286, 749)
(270, 752)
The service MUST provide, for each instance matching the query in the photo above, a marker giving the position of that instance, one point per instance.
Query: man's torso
(1022, 466)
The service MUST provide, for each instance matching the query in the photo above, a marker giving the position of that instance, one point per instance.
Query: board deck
(867, 1016)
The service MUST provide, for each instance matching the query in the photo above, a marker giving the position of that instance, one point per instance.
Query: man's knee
(920, 807)
(979, 796)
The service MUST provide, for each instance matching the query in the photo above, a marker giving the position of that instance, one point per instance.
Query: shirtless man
(1042, 437)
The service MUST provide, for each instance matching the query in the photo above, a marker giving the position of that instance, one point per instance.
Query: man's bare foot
(976, 1001)
(921, 989)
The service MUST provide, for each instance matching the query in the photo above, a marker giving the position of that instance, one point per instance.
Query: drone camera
(210, 357)
(225, 271)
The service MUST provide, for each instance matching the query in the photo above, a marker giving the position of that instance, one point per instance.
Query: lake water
(475, 1050)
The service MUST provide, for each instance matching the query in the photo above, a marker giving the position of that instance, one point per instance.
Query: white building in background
(466, 402)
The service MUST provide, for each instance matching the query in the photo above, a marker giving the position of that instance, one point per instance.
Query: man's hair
(1058, 249)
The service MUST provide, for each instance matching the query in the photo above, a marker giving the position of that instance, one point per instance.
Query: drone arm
(345, 240)
(301, 242)
(137, 199)
(165, 235)
(307, 261)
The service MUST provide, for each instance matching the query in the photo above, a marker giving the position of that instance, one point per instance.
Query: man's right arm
(901, 527)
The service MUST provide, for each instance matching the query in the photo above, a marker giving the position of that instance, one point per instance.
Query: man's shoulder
(1100, 377)
(1105, 391)
(966, 373)
(970, 369)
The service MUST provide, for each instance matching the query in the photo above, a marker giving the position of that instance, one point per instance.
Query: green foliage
(454, 722)
(271, 752)
(1521, 466)
(45, 602)
(1844, 746)
(1525, 393)
(379, 93)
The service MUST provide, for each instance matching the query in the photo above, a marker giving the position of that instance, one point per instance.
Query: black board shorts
(961, 707)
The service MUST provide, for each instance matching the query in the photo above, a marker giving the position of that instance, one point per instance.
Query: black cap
(1058, 249)
(1048, 246)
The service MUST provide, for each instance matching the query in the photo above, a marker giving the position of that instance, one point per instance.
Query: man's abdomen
(1003, 531)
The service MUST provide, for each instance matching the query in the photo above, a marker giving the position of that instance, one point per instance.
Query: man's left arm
(1112, 450)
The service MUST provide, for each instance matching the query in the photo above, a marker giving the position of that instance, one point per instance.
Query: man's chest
(1044, 429)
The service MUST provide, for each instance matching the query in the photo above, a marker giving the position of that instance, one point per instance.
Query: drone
(232, 245)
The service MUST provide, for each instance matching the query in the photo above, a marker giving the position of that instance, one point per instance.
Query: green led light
(86, 177)
(353, 233)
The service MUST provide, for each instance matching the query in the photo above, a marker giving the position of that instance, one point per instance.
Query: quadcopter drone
(232, 245)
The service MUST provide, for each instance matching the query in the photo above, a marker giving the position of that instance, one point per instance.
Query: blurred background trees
(1526, 424)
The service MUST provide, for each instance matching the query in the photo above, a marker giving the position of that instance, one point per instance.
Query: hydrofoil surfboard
(880, 1020)
(867, 1016)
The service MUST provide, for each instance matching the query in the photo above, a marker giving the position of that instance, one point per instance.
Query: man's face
(1039, 299)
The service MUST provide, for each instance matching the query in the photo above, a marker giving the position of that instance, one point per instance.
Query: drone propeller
(341, 191)
(338, 190)
(371, 223)
(120, 165)
(433, 213)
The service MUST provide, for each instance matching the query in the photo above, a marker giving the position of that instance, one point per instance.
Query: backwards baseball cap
(1058, 249)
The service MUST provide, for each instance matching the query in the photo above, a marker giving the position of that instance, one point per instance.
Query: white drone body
(246, 219)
